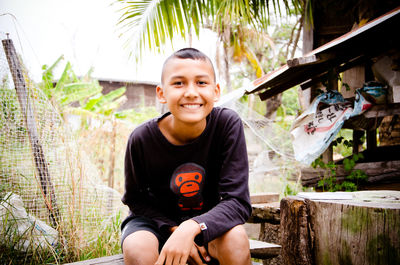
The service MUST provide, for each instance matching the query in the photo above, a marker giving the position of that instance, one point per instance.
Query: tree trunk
(361, 230)
(226, 69)
(295, 232)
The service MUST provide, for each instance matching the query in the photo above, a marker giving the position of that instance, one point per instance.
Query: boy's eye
(177, 83)
(202, 83)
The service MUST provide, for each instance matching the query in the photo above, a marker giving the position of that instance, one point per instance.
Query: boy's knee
(235, 239)
(140, 248)
(236, 234)
(232, 247)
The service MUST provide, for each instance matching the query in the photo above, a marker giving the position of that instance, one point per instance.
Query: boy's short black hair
(188, 53)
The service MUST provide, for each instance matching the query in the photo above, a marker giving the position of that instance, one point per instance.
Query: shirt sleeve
(234, 207)
(137, 194)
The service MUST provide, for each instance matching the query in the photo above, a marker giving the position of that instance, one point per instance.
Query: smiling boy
(186, 174)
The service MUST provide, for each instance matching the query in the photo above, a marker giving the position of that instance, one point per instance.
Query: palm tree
(149, 24)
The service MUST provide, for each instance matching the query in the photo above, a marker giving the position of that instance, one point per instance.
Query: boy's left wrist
(192, 225)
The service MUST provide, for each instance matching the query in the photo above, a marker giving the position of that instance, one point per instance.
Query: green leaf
(108, 98)
(92, 101)
(61, 82)
(78, 91)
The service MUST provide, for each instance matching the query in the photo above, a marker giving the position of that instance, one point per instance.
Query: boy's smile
(189, 89)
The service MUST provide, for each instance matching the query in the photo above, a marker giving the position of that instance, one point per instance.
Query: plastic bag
(374, 92)
(23, 229)
(315, 129)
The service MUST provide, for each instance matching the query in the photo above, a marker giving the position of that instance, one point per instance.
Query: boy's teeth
(191, 106)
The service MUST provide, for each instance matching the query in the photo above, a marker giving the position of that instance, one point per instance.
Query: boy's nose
(191, 91)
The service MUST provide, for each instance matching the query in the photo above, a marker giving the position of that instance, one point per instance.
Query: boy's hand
(194, 257)
(180, 246)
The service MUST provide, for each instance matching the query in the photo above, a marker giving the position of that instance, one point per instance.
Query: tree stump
(361, 230)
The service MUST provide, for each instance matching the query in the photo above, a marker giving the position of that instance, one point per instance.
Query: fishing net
(272, 165)
(42, 164)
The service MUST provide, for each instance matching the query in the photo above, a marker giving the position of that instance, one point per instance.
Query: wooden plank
(110, 260)
(263, 250)
(264, 197)
(265, 213)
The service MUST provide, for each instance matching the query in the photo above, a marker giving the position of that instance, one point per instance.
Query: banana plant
(84, 97)
(80, 96)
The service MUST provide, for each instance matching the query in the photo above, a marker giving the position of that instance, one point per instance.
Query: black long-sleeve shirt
(205, 180)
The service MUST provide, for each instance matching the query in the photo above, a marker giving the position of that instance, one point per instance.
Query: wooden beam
(30, 122)
(383, 110)
(302, 61)
(264, 197)
(341, 68)
(383, 171)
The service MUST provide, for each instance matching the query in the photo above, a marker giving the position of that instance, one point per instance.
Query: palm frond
(150, 23)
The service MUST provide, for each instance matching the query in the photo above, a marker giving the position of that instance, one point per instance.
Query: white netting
(40, 161)
(269, 147)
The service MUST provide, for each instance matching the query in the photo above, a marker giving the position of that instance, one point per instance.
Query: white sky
(85, 32)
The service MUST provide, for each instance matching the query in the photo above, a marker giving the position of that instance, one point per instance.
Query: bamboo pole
(112, 153)
(37, 150)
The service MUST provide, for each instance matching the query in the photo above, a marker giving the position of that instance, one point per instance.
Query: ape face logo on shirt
(187, 182)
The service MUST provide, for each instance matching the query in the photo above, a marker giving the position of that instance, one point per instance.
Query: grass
(88, 226)
(13, 251)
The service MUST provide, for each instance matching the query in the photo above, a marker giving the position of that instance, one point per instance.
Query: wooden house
(139, 93)
(360, 41)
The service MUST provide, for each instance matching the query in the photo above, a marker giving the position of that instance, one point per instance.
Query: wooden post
(37, 150)
(371, 139)
(357, 144)
(296, 237)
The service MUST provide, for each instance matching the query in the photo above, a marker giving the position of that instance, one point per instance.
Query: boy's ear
(160, 95)
(217, 93)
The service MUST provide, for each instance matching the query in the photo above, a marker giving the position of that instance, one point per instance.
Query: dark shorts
(139, 223)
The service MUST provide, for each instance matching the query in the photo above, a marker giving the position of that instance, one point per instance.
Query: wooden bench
(266, 214)
(265, 209)
(258, 250)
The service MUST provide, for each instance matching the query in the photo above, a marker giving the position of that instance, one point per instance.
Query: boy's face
(189, 89)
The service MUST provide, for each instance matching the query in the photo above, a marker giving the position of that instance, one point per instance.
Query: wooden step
(258, 250)
(263, 250)
(110, 260)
